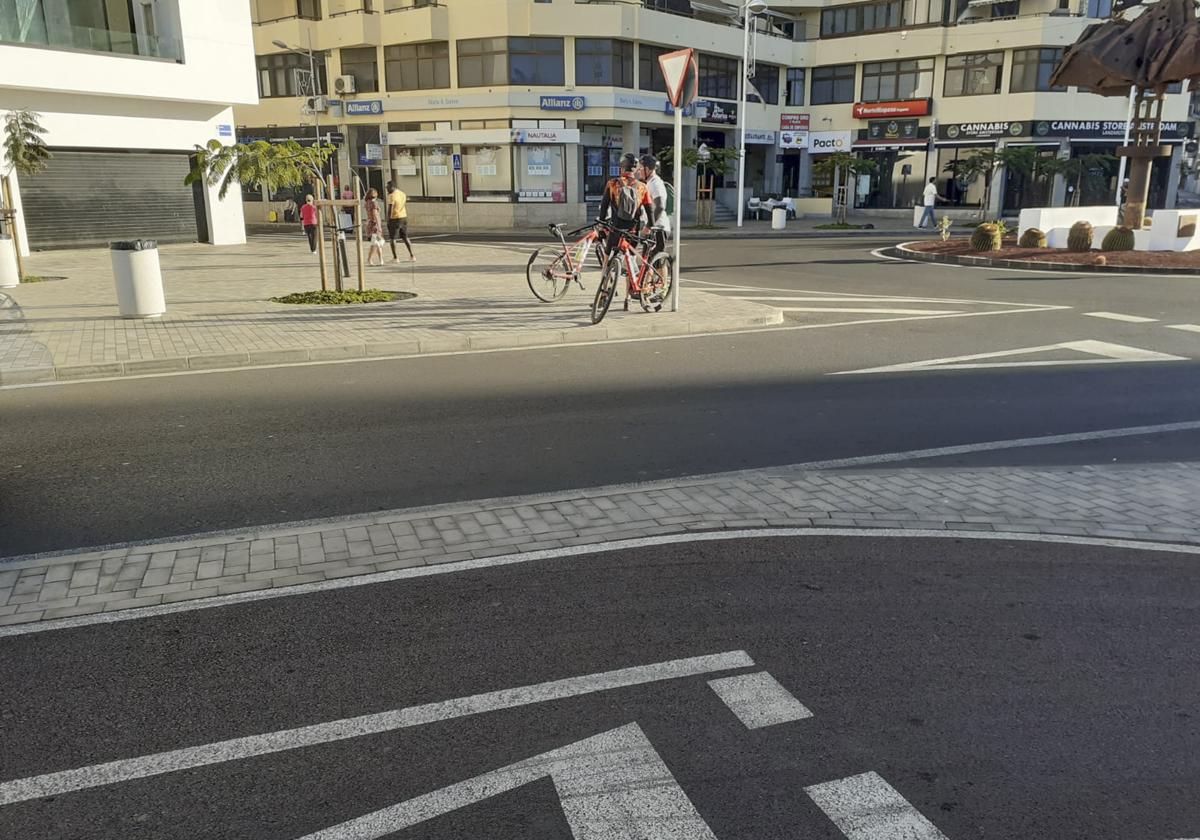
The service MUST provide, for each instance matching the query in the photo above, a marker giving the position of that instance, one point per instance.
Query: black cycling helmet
(629, 162)
(650, 163)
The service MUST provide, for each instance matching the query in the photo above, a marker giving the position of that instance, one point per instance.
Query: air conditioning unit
(316, 105)
(343, 85)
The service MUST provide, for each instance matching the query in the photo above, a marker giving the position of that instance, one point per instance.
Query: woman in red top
(308, 218)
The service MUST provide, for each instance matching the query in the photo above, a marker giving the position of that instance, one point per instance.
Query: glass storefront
(541, 174)
(487, 173)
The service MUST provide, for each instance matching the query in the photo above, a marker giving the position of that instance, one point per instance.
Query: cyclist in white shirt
(658, 195)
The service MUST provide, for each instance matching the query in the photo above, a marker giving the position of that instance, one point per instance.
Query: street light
(312, 74)
(750, 9)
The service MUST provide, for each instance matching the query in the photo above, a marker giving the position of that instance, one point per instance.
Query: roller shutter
(92, 198)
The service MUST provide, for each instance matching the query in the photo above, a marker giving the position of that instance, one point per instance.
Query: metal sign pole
(678, 220)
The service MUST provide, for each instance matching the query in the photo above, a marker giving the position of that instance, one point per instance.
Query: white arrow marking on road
(759, 700)
(66, 781)
(1111, 353)
(613, 786)
(866, 807)
(1117, 316)
(1185, 327)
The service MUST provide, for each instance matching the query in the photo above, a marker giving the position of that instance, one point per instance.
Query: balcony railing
(409, 5)
(712, 12)
(274, 11)
(88, 39)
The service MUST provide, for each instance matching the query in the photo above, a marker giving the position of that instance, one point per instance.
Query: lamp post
(750, 8)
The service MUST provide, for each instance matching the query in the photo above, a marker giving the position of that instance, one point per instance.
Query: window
(833, 84)
(650, 75)
(766, 82)
(535, 61)
(286, 74)
(603, 61)
(475, 124)
(973, 74)
(501, 61)
(866, 17)
(541, 174)
(1032, 68)
(487, 173)
(795, 86)
(361, 64)
(1099, 8)
(417, 66)
(423, 172)
(887, 80)
(718, 76)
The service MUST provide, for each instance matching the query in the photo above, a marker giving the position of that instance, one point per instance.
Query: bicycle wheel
(659, 280)
(548, 274)
(606, 290)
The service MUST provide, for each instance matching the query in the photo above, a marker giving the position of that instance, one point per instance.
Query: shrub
(1032, 238)
(1079, 238)
(986, 238)
(1118, 239)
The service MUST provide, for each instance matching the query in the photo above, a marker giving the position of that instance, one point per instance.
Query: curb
(528, 340)
(903, 252)
(538, 235)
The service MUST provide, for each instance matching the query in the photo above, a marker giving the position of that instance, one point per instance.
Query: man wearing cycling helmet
(626, 204)
(657, 188)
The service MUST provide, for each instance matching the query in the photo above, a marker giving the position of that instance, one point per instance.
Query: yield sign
(680, 73)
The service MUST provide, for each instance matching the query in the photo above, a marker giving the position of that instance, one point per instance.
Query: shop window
(417, 66)
(604, 61)
(718, 76)
(973, 74)
(833, 84)
(795, 86)
(650, 75)
(1032, 68)
(488, 174)
(286, 74)
(766, 82)
(362, 65)
(884, 81)
(541, 174)
(424, 173)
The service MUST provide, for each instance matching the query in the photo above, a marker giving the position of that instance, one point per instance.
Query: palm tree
(26, 153)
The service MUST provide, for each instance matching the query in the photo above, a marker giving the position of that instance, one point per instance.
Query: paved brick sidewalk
(470, 296)
(1153, 502)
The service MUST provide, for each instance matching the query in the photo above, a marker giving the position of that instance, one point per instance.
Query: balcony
(263, 12)
(89, 39)
(714, 11)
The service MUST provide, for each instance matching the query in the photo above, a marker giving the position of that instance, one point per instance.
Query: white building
(126, 90)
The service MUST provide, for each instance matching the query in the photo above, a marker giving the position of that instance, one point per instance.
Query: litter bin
(9, 276)
(138, 278)
(779, 218)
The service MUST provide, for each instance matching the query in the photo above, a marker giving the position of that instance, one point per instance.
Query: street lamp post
(750, 8)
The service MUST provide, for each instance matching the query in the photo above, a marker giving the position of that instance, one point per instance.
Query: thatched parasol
(1159, 47)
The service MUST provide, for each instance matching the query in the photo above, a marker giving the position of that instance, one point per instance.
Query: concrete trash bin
(138, 278)
(9, 276)
(779, 218)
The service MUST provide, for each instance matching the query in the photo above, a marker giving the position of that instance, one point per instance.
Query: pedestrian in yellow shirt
(398, 220)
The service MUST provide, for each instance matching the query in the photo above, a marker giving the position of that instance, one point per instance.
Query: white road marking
(866, 295)
(66, 781)
(1111, 353)
(1185, 327)
(613, 786)
(865, 807)
(1117, 316)
(866, 311)
(759, 700)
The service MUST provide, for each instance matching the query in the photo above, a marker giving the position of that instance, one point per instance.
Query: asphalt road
(1003, 690)
(98, 463)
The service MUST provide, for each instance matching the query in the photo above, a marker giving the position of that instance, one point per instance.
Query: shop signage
(524, 136)
(224, 130)
(1103, 129)
(903, 108)
(793, 139)
(760, 138)
(563, 103)
(362, 107)
(793, 122)
(824, 142)
(983, 130)
(688, 109)
(716, 113)
(892, 129)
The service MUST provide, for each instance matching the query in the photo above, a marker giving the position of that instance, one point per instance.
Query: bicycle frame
(581, 248)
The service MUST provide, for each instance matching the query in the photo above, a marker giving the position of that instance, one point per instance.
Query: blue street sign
(224, 130)
(458, 163)
(363, 107)
(563, 103)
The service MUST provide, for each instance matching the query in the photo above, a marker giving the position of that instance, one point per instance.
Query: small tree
(968, 170)
(841, 164)
(1090, 171)
(270, 166)
(718, 161)
(26, 154)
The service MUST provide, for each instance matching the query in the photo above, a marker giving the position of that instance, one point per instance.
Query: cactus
(986, 238)
(1032, 238)
(1080, 237)
(1118, 239)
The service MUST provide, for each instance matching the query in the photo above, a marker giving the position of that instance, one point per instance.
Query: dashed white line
(865, 807)
(1117, 316)
(759, 700)
(66, 781)
(1185, 327)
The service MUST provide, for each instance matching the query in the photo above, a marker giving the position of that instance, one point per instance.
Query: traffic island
(330, 297)
(1011, 255)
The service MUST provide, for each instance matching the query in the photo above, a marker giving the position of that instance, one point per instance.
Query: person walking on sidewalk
(374, 229)
(308, 218)
(398, 220)
(931, 198)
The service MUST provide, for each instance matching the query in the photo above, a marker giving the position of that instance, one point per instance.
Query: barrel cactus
(1032, 238)
(1080, 237)
(986, 238)
(1118, 239)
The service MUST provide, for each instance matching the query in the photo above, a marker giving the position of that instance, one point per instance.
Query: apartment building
(491, 113)
(126, 89)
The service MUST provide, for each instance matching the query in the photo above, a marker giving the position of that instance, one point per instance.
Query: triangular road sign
(680, 73)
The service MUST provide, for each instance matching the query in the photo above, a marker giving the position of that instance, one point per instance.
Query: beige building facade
(498, 113)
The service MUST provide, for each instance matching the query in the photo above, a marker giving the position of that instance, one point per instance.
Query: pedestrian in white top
(931, 199)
